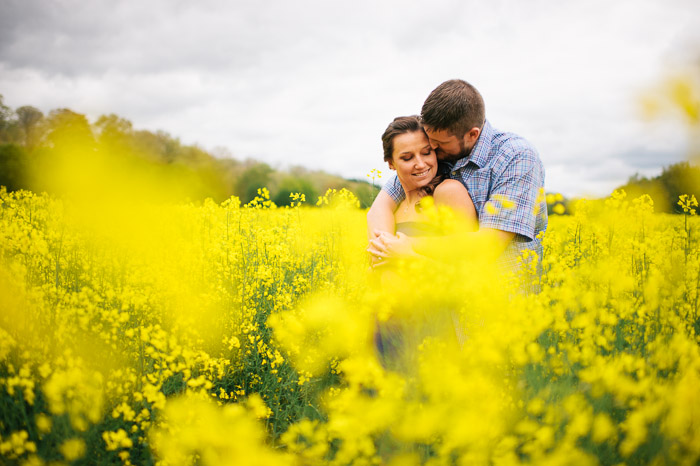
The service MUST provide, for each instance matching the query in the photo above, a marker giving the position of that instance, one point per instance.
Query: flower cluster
(252, 334)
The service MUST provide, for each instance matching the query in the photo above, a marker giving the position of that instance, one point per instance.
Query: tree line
(30, 142)
(665, 189)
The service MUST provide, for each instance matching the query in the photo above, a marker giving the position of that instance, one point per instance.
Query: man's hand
(487, 242)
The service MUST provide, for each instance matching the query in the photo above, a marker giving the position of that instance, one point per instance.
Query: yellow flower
(256, 404)
(43, 423)
(73, 449)
(116, 440)
(603, 428)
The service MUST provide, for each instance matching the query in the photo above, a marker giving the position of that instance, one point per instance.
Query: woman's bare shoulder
(453, 194)
(449, 188)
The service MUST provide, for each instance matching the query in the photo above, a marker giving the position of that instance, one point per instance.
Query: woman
(407, 150)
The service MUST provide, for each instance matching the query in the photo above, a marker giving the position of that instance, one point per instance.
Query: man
(501, 171)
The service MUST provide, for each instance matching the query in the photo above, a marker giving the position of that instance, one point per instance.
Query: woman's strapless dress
(417, 229)
(389, 337)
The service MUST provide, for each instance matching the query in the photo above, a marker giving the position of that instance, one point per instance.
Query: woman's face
(414, 160)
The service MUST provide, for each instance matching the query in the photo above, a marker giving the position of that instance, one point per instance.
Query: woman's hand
(386, 246)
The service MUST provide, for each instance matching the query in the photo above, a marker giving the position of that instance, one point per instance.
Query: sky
(315, 83)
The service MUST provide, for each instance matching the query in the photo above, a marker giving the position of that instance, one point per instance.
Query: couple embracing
(494, 179)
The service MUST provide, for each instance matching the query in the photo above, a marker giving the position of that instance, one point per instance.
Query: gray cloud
(315, 83)
(75, 38)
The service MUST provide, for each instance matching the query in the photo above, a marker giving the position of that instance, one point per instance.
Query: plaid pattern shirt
(505, 179)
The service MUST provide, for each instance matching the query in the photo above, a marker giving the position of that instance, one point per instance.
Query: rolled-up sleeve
(513, 200)
(394, 189)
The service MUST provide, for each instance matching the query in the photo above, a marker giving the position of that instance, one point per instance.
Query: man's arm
(487, 243)
(514, 198)
(500, 238)
(380, 216)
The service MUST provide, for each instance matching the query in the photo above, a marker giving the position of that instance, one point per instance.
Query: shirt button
(454, 173)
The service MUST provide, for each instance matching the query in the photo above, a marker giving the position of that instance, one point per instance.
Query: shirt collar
(480, 152)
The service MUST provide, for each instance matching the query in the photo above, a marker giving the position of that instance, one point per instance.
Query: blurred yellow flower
(73, 449)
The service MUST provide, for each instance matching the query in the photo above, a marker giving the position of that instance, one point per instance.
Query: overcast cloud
(315, 83)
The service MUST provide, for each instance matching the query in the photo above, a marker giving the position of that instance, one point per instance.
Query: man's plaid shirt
(505, 179)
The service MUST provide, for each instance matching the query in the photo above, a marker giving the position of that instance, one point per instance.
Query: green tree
(13, 167)
(253, 178)
(664, 189)
(364, 191)
(69, 129)
(114, 131)
(8, 123)
(30, 121)
(292, 184)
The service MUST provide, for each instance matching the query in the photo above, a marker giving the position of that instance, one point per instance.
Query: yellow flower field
(159, 333)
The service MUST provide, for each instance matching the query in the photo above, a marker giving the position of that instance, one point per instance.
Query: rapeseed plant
(147, 331)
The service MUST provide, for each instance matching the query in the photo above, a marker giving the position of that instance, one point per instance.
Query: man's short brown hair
(454, 105)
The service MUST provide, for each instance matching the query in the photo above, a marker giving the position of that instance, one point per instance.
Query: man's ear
(471, 136)
(391, 165)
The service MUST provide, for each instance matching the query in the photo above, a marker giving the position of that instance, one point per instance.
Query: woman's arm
(380, 216)
(380, 220)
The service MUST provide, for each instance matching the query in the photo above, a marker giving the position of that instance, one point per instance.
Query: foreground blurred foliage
(141, 332)
(110, 154)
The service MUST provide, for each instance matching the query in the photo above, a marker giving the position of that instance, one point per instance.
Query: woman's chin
(424, 181)
(417, 184)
